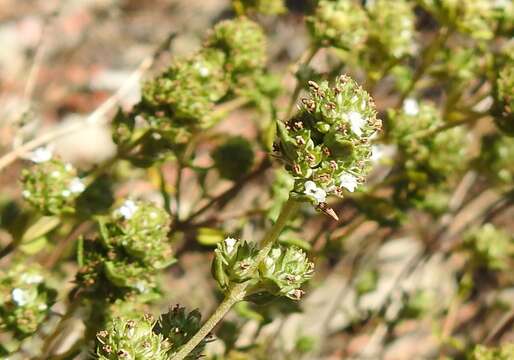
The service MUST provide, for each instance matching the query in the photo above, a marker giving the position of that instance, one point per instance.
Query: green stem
(238, 291)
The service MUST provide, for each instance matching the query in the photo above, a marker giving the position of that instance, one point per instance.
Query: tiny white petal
(204, 72)
(311, 189)
(66, 193)
(32, 278)
(348, 181)
(127, 209)
(230, 243)
(55, 174)
(76, 186)
(20, 296)
(411, 107)
(40, 155)
(357, 122)
(25, 193)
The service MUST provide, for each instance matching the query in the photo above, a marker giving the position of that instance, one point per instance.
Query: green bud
(25, 300)
(267, 7)
(283, 272)
(234, 262)
(503, 352)
(234, 158)
(141, 228)
(490, 246)
(341, 24)
(52, 187)
(503, 108)
(132, 339)
(178, 327)
(244, 44)
(326, 147)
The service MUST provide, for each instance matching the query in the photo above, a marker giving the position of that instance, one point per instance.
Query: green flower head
(244, 44)
(51, 186)
(132, 339)
(283, 272)
(234, 262)
(25, 300)
(326, 147)
(141, 229)
(341, 24)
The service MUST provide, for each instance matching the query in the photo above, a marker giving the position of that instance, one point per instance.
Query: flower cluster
(181, 101)
(234, 158)
(428, 157)
(142, 338)
(327, 145)
(281, 273)
(133, 246)
(51, 186)
(490, 247)
(340, 24)
(25, 300)
(131, 339)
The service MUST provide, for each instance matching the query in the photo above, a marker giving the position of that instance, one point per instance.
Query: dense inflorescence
(327, 146)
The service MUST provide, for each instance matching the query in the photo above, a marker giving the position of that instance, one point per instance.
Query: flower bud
(327, 145)
(25, 300)
(503, 108)
(178, 327)
(52, 187)
(234, 262)
(341, 24)
(131, 339)
(234, 158)
(283, 271)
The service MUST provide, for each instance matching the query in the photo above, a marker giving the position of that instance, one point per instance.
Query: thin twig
(96, 117)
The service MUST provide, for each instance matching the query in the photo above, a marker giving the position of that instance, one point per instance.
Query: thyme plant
(394, 103)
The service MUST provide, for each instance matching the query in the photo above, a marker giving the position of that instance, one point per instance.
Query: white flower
(28, 278)
(127, 209)
(317, 193)
(204, 72)
(348, 181)
(26, 194)
(230, 244)
(357, 122)
(20, 296)
(76, 186)
(66, 193)
(40, 155)
(411, 107)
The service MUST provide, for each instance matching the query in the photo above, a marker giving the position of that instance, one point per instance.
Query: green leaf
(208, 236)
(34, 246)
(40, 228)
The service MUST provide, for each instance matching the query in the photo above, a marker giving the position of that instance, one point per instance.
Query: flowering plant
(395, 115)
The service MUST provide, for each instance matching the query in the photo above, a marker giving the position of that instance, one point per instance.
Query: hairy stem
(238, 291)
